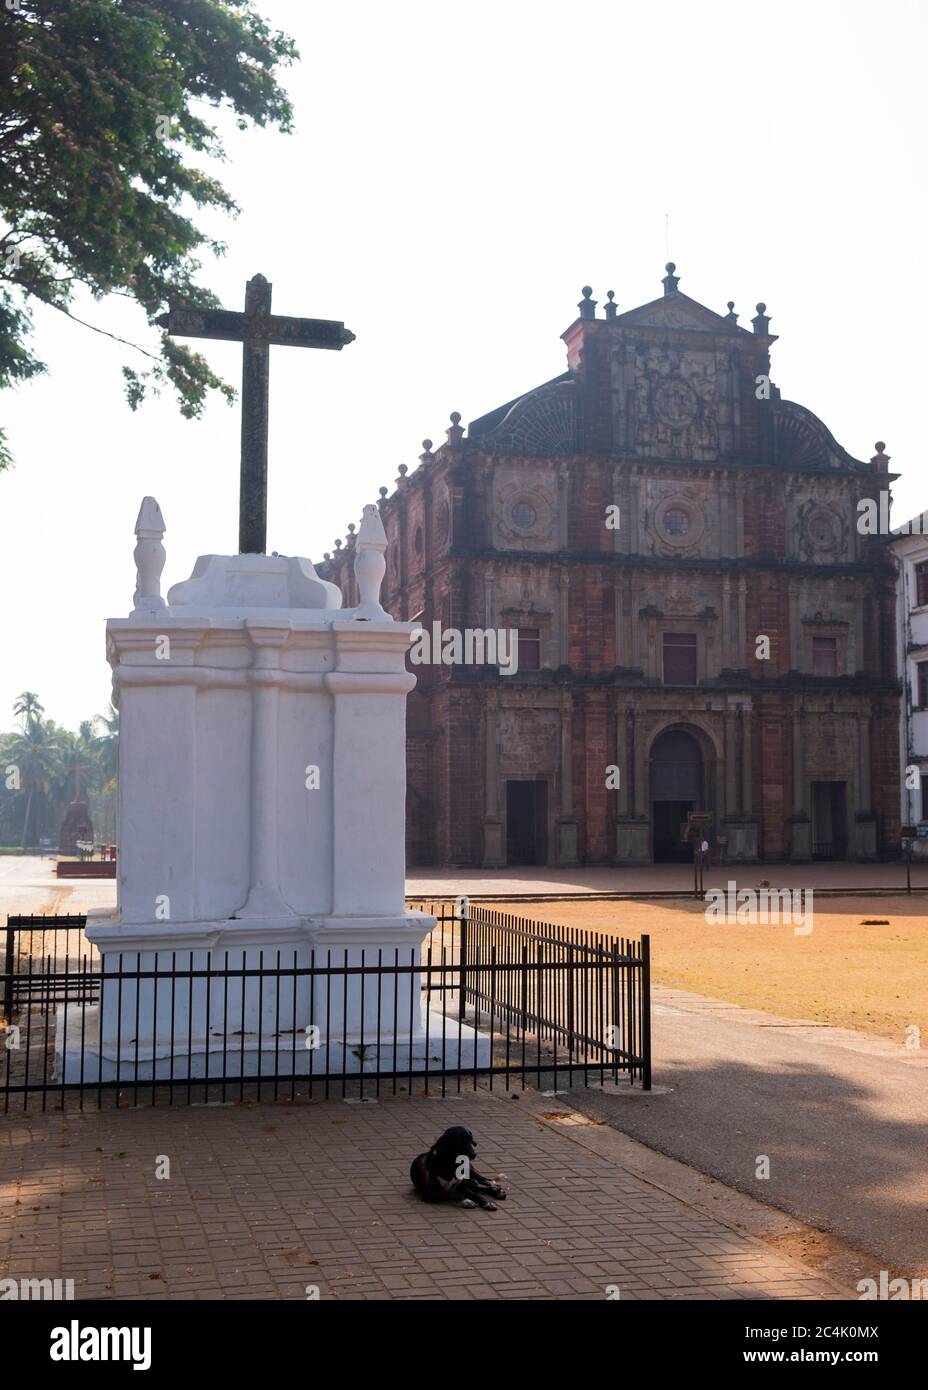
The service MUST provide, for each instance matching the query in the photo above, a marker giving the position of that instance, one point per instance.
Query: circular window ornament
(679, 522)
(821, 531)
(675, 403)
(676, 521)
(523, 515)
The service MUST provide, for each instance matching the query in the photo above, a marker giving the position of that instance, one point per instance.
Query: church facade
(702, 627)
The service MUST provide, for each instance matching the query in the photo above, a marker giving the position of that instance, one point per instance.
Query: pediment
(801, 440)
(543, 422)
(678, 311)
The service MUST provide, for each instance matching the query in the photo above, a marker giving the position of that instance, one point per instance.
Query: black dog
(446, 1174)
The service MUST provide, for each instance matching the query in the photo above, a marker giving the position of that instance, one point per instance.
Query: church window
(922, 672)
(529, 649)
(523, 515)
(921, 584)
(676, 521)
(679, 658)
(825, 656)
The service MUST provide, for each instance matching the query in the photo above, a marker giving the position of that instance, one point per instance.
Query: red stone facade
(645, 521)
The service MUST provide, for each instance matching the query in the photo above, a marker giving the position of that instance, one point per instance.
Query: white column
(264, 898)
(369, 775)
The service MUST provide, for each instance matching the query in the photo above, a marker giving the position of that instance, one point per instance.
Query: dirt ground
(845, 973)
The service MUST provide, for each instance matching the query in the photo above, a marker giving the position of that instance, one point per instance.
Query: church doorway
(527, 822)
(829, 820)
(677, 787)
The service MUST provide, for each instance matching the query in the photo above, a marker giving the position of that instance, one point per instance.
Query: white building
(911, 548)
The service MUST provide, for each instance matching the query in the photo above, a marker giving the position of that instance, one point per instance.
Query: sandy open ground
(874, 978)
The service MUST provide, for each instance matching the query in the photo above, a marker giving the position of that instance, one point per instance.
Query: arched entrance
(677, 787)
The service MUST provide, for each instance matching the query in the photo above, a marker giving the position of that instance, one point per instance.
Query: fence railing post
(462, 909)
(9, 960)
(645, 1004)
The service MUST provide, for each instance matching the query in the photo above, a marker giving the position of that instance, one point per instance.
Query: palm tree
(29, 707)
(37, 754)
(107, 742)
(107, 758)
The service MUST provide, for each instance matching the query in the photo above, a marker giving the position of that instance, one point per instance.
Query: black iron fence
(490, 996)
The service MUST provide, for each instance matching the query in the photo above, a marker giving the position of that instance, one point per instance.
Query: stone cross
(257, 329)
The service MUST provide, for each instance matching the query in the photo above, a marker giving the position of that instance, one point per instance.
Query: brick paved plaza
(263, 1200)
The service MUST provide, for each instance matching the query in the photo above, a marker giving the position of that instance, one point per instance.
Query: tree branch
(127, 342)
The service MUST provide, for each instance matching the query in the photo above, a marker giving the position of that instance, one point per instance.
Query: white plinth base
(194, 987)
(78, 1056)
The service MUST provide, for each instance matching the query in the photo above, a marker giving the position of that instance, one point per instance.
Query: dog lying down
(446, 1173)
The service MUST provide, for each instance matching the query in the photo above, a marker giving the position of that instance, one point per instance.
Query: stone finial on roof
(426, 455)
(149, 559)
(383, 492)
(880, 458)
(370, 565)
(731, 316)
(587, 305)
(338, 542)
(611, 308)
(670, 281)
(456, 432)
(762, 321)
(401, 474)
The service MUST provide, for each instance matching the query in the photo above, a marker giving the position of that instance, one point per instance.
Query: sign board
(697, 827)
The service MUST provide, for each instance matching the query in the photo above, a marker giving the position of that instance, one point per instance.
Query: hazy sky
(458, 172)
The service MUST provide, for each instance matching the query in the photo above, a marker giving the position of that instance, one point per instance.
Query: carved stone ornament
(675, 403)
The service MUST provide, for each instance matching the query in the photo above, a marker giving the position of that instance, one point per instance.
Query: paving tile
(265, 1200)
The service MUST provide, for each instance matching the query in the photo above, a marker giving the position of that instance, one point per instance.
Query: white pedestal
(261, 823)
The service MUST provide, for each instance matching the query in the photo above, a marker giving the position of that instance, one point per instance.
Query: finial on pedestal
(456, 432)
(426, 454)
(587, 306)
(149, 559)
(880, 458)
(610, 308)
(670, 281)
(762, 321)
(370, 566)
(731, 315)
(384, 491)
